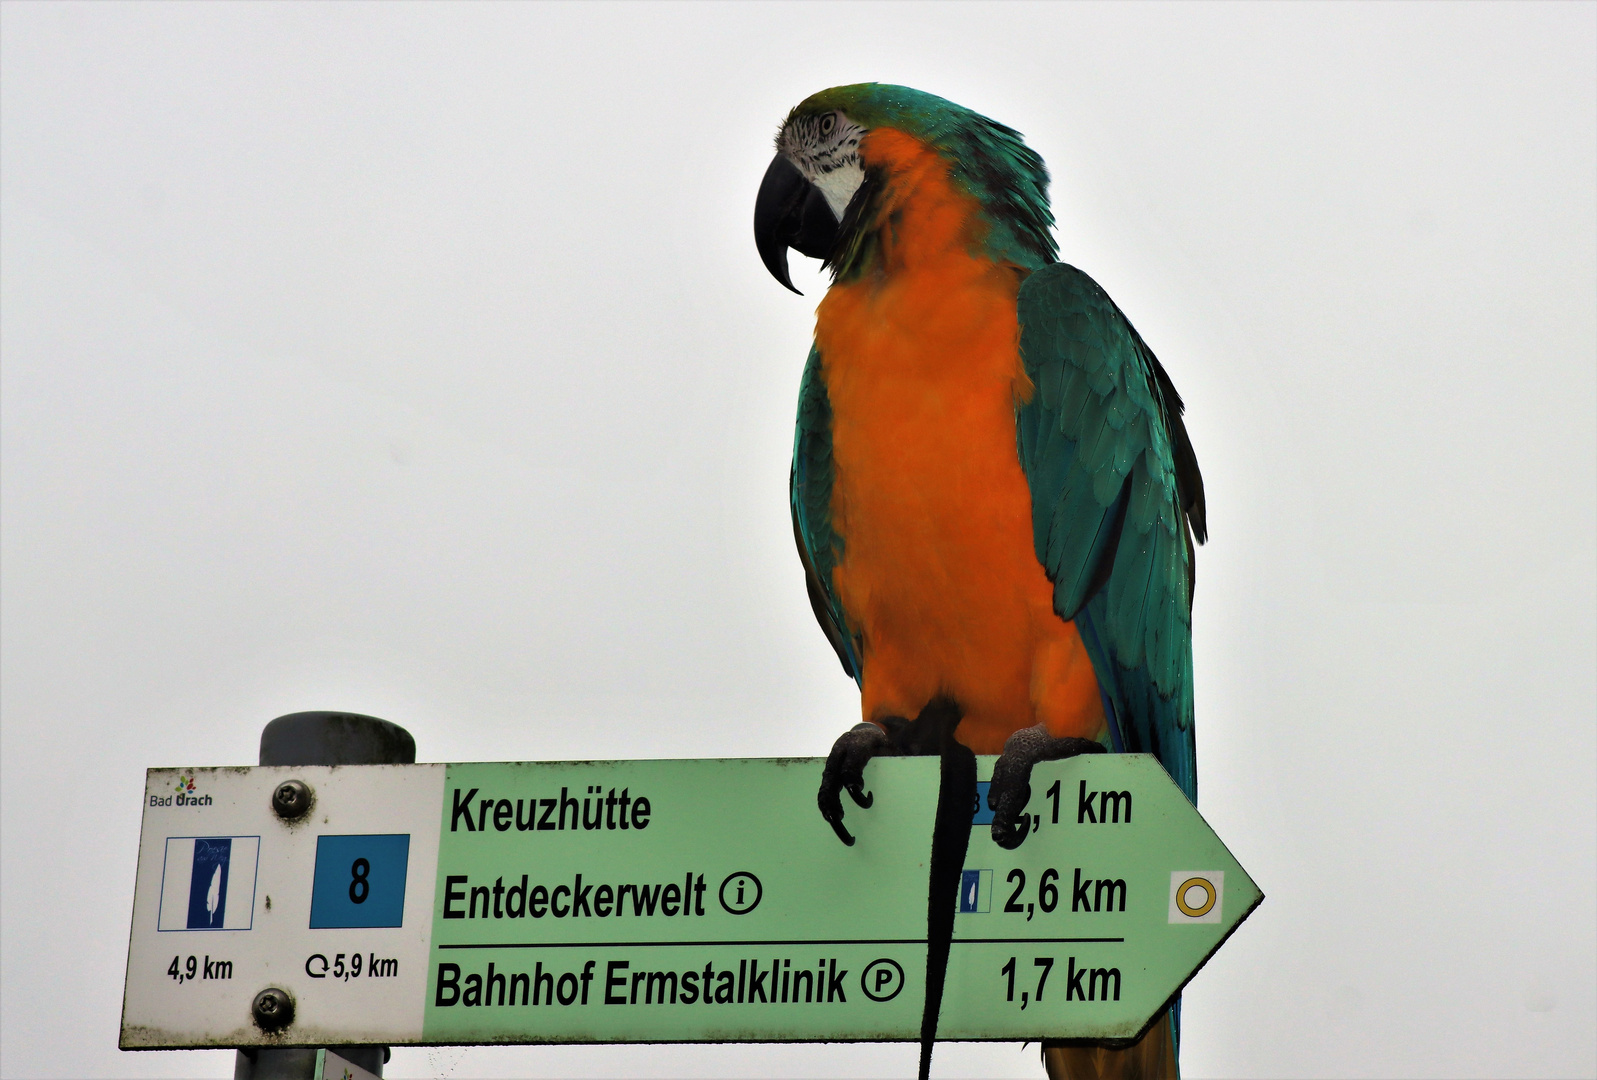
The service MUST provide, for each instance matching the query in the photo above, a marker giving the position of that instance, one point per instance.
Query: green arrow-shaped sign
(655, 901)
(735, 913)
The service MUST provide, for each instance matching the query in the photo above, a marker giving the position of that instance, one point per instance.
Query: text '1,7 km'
(656, 901)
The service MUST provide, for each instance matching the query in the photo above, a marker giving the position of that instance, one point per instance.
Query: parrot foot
(845, 771)
(1011, 784)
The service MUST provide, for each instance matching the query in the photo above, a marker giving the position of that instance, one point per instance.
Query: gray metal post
(324, 738)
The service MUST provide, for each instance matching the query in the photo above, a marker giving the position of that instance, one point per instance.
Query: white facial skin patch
(826, 150)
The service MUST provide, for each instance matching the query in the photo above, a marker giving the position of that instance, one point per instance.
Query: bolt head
(273, 1009)
(291, 798)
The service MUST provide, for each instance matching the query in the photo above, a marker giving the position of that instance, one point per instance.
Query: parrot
(993, 493)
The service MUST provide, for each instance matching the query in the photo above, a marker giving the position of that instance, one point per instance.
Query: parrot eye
(828, 123)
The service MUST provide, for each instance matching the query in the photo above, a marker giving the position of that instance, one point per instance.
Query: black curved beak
(791, 212)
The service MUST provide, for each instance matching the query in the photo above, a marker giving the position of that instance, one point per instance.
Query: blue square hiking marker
(208, 883)
(975, 891)
(983, 815)
(359, 880)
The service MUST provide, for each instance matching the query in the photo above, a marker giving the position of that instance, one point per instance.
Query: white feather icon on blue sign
(208, 883)
(975, 891)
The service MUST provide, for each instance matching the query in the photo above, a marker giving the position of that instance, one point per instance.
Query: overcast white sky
(417, 361)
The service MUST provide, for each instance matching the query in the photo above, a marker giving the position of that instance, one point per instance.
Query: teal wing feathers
(1117, 501)
(810, 489)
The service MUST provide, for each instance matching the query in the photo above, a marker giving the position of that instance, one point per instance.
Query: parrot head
(822, 193)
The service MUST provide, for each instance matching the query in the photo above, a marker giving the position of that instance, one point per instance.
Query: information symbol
(740, 893)
(359, 887)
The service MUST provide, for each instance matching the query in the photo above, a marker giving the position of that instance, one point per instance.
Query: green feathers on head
(988, 159)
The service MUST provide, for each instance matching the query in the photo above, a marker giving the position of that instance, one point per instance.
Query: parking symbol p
(882, 979)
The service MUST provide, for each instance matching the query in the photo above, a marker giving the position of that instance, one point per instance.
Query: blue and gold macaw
(993, 493)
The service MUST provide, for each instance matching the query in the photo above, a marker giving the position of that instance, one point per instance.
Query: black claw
(1010, 789)
(832, 806)
(842, 833)
(1012, 786)
(845, 771)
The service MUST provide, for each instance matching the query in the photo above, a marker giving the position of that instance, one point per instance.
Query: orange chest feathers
(938, 574)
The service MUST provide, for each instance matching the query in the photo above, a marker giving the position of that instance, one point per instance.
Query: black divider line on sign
(792, 942)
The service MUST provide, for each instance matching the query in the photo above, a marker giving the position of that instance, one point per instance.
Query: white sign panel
(222, 910)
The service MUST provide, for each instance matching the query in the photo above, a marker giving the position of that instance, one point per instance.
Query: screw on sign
(291, 799)
(273, 1009)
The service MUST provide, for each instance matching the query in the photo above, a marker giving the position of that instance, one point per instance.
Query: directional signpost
(654, 901)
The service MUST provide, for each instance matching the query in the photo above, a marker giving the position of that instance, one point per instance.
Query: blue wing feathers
(1096, 444)
(1098, 547)
(810, 489)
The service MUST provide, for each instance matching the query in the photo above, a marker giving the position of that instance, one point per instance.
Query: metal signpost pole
(322, 738)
